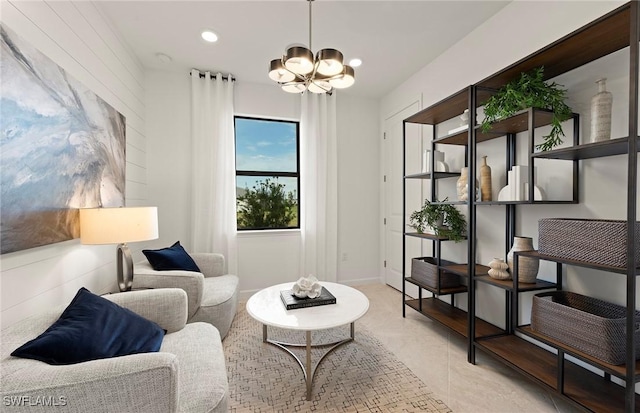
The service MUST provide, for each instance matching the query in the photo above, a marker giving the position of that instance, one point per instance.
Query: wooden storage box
(597, 241)
(425, 270)
(593, 326)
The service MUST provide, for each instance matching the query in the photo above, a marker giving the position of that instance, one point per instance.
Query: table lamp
(119, 226)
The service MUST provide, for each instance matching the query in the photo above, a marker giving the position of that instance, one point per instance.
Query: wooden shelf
(522, 287)
(463, 269)
(458, 138)
(613, 147)
(615, 370)
(524, 202)
(442, 291)
(599, 38)
(517, 123)
(581, 386)
(429, 236)
(437, 175)
(451, 317)
(447, 108)
(609, 268)
(426, 235)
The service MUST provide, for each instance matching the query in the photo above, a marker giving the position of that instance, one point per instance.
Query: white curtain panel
(319, 186)
(213, 198)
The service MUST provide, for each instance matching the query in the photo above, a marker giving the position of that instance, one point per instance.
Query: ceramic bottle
(601, 113)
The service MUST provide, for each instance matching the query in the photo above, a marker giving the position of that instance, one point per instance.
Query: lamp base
(125, 264)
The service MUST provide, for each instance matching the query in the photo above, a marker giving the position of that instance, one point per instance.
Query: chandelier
(297, 70)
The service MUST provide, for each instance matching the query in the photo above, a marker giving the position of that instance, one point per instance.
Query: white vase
(462, 188)
(527, 266)
(601, 113)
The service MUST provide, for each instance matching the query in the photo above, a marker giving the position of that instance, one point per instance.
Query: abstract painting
(61, 148)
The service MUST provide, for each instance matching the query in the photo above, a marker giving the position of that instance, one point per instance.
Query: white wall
(502, 40)
(359, 174)
(78, 38)
(267, 257)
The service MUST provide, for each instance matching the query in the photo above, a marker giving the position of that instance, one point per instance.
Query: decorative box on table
(593, 326)
(598, 241)
(425, 270)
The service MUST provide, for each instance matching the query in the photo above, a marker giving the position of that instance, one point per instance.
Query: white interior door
(394, 227)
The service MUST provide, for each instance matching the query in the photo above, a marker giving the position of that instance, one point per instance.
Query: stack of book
(291, 302)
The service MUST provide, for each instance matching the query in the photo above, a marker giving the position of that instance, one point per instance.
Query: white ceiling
(394, 39)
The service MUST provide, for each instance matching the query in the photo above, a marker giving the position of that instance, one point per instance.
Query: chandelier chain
(310, 46)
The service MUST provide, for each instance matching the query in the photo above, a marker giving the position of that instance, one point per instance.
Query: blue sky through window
(265, 145)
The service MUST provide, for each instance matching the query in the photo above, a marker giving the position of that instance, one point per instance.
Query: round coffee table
(266, 307)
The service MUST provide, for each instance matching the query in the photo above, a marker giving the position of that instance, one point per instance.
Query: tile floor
(439, 358)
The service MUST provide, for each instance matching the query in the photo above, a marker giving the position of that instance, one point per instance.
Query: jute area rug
(360, 376)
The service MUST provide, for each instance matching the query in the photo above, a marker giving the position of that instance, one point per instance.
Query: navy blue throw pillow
(171, 258)
(93, 328)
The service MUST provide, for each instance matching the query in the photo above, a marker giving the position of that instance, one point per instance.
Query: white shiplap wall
(77, 37)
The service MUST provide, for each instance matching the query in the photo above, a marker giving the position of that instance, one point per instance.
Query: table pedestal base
(307, 369)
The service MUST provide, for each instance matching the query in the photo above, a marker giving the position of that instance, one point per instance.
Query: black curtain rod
(203, 75)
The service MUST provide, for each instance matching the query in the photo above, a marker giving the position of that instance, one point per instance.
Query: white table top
(267, 307)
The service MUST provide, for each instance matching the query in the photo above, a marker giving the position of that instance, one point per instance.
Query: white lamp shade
(279, 73)
(329, 62)
(118, 225)
(294, 87)
(299, 60)
(347, 79)
(319, 86)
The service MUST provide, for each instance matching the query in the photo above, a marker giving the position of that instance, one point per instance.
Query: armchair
(188, 374)
(212, 295)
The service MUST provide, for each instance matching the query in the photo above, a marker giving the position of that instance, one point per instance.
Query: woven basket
(425, 270)
(596, 241)
(593, 326)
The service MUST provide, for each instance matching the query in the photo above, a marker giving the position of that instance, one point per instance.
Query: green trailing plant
(445, 220)
(530, 91)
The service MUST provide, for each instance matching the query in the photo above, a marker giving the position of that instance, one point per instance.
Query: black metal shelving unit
(515, 345)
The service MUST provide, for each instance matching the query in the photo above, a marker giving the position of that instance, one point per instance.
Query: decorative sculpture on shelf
(307, 287)
(601, 113)
(499, 269)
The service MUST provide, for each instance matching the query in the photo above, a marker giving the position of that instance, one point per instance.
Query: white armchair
(188, 374)
(213, 295)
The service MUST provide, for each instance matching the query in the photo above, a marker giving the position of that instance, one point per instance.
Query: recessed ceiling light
(355, 62)
(209, 36)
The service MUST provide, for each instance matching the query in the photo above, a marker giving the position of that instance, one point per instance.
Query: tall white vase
(527, 266)
(601, 113)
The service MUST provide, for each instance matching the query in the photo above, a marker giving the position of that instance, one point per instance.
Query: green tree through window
(267, 173)
(267, 205)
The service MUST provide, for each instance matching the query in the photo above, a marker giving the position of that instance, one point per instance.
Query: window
(267, 173)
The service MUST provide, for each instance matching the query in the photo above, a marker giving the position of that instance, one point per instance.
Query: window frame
(269, 174)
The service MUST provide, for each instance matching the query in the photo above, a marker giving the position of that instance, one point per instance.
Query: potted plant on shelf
(530, 91)
(445, 220)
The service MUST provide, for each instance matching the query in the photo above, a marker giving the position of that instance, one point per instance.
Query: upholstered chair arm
(166, 307)
(142, 382)
(146, 382)
(210, 263)
(191, 282)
